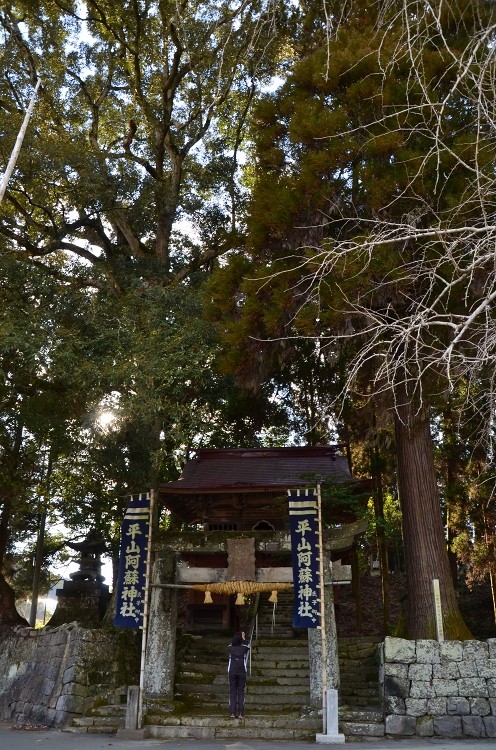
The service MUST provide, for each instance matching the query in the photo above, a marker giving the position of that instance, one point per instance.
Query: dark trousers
(237, 684)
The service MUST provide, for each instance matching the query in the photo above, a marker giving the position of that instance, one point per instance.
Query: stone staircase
(275, 621)
(103, 717)
(277, 695)
(360, 712)
(359, 671)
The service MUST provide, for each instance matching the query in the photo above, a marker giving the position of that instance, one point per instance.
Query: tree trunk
(381, 543)
(489, 527)
(356, 587)
(423, 532)
(9, 616)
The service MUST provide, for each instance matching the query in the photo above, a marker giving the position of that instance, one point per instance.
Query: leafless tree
(434, 315)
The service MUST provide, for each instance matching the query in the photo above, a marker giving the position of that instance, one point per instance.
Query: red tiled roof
(260, 468)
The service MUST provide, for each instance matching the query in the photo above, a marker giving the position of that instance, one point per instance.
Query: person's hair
(237, 640)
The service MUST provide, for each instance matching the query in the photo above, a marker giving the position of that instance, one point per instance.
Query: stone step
(271, 672)
(365, 703)
(370, 693)
(349, 698)
(361, 723)
(211, 712)
(354, 730)
(261, 677)
(372, 715)
(275, 678)
(279, 641)
(289, 652)
(280, 657)
(232, 732)
(273, 681)
(369, 660)
(253, 688)
(295, 649)
(352, 679)
(349, 670)
(256, 675)
(258, 666)
(356, 680)
(254, 726)
(221, 717)
(267, 702)
(98, 724)
(282, 665)
(283, 620)
(109, 711)
(201, 668)
(352, 669)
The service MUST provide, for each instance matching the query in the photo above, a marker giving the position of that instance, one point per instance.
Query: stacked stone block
(359, 672)
(433, 689)
(49, 677)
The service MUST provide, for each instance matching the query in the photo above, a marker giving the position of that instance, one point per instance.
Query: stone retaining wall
(436, 689)
(359, 671)
(48, 677)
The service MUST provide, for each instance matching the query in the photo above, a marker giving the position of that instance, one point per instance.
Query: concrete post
(158, 678)
(315, 647)
(332, 735)
(132, 707)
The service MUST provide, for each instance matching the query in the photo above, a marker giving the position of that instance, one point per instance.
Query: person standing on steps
(236, 670)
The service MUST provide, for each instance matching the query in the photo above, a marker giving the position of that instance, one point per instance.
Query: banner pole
(144, 636)
(322, 614)
(18, 144)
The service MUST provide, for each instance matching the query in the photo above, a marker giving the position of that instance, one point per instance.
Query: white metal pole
(144, 636)
(18, 144)
(322, 614)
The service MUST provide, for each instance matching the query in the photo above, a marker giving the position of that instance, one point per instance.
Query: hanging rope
(240, 587)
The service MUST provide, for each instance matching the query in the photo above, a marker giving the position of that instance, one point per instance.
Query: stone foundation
(433, 689)
(49, 677)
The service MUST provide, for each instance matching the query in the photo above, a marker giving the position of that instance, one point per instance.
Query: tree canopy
(376, 128)
(125, 191)
(251, 222)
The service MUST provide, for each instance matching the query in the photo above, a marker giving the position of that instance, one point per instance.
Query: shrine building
(228, 543)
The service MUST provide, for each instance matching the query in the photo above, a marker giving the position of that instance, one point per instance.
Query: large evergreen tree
(125, 190)
(348, 153)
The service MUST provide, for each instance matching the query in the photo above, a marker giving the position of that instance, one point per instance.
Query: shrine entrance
(234, 543)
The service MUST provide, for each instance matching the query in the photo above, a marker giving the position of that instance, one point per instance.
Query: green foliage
(391, 522)
(125, 191)
(22, 566)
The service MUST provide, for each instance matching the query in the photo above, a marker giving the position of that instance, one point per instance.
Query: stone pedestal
(332, 735)
(83, 602)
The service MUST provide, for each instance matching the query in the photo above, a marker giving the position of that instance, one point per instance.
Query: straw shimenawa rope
(241, 587)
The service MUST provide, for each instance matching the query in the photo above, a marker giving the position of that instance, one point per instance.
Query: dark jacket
(237, 659)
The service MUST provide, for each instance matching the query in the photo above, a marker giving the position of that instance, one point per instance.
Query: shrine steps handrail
(253, 629)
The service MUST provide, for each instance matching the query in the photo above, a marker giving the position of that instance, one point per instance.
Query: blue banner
(305, 552)
(130, 599)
